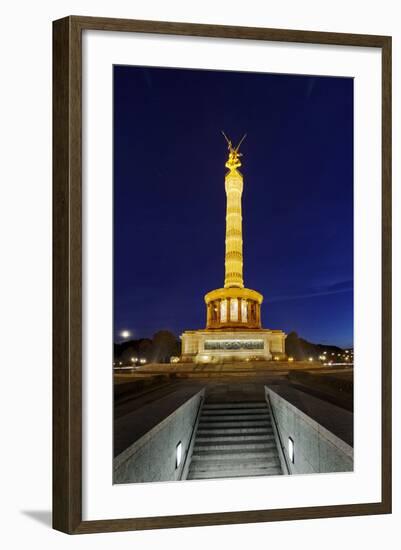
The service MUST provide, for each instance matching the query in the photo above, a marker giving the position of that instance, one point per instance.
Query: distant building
(233, 321)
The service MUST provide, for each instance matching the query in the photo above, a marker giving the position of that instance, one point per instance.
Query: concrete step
(234, 445)
(249, 405)
(235, 424)
(263, 454)
(215, 432)
(220, 412)
(225, 417)
(235, 437)
(251, 472)
(237, 464)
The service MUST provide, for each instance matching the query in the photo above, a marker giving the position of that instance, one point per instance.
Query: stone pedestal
(219, 346)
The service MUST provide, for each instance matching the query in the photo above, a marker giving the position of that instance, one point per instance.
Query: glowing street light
(310, 359)
(125, 333)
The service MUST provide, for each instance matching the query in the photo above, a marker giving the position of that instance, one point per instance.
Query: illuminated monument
(233, 321)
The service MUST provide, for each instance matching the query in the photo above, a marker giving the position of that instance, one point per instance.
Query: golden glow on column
(244, 311)
(234, 309)
(234, 186)
(233, 306)
(223, 311)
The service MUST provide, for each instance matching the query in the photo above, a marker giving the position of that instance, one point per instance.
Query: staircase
(234, 440)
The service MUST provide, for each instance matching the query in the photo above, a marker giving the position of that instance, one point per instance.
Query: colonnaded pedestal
(233, 322)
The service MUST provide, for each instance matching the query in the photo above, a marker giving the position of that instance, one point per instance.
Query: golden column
(234, 306)
(234, 186)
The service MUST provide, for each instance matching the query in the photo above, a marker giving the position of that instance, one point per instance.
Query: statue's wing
(227, 140)
(240, 143)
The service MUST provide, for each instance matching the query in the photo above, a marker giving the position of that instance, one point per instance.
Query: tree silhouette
(165, 345)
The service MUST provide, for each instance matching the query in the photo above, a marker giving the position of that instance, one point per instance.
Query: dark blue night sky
(169, 198)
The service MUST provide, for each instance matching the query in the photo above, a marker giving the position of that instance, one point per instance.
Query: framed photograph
(222, 275)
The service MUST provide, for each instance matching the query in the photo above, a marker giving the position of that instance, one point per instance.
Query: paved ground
(244, 368)
(145, 414)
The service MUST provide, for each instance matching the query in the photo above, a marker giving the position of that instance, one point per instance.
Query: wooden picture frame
(67, 274)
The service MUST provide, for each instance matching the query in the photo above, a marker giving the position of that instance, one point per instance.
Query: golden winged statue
(234, 155)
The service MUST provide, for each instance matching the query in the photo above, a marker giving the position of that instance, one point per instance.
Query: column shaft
(233, 257)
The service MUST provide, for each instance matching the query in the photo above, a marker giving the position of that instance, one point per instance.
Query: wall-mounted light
(291, 450)
(178, 454)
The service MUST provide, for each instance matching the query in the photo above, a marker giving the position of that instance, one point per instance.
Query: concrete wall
(153, 456)
(317, 450)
